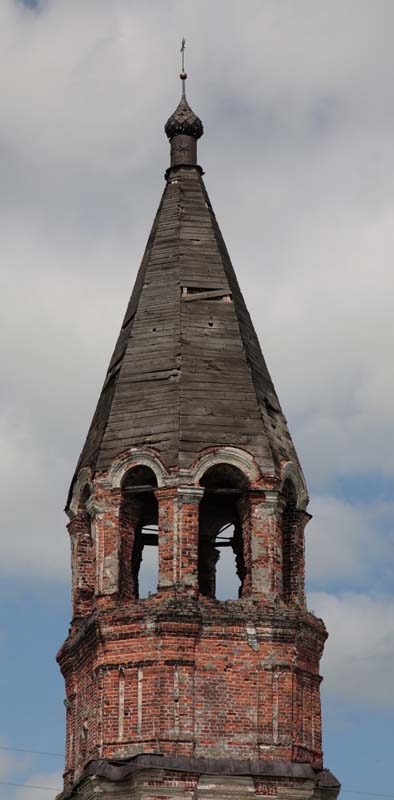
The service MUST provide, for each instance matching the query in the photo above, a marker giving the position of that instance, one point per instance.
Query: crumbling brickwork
(182, 673)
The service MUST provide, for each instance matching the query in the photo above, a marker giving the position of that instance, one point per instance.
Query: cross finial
(183, 74)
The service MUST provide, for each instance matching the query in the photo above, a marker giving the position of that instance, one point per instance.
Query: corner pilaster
(265, 544)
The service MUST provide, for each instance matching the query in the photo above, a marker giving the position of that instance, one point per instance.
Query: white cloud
(358, 662)
(38, 787)
(16, 767)
(33, 540)
(298, 151)
(12, 763)
(8, 762)
(346, 543)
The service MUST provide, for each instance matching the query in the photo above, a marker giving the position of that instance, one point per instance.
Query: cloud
(348, 544)
(37, 781)
(32, 4)
(15, 768)
(359, 654)
(298, 151)
(34, 543)
(12, 763)
(9, 762)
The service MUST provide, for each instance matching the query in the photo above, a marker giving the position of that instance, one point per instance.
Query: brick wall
(179, 673)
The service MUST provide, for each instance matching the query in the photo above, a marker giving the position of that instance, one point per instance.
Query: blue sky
(296, 100)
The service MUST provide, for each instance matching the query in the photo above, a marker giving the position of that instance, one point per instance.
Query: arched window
(221, 563)
(288, 556)
(138, 523)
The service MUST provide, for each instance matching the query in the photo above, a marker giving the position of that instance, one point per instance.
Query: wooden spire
(187, 371)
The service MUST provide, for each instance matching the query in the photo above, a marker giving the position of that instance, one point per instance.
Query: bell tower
(188, 462)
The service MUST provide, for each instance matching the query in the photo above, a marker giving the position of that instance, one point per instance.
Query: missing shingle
(190, 294)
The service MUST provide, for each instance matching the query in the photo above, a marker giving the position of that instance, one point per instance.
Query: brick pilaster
(106, 521)
(178, 537)
(265, 544)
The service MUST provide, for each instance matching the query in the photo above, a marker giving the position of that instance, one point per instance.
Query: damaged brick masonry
(181, 694)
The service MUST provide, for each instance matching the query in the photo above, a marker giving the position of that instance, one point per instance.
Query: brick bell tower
(180, 694)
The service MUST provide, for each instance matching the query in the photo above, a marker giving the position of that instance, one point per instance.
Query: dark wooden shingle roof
(187, 371)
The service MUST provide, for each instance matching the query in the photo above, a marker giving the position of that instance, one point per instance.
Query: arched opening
(138, 523)
(83, 500)
(288, 522)
(221, 562)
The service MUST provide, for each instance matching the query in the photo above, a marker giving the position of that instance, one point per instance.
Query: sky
(297, 104)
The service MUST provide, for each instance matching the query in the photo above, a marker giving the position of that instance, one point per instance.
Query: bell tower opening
(138, 523)
(85, 494)
(288, 523)
(221, 563)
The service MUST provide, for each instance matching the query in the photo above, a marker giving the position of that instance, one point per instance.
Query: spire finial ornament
(184, 127)
(183, 74)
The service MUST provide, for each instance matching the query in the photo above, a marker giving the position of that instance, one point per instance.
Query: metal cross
(183, 53)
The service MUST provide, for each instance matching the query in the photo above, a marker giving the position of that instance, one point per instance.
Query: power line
(56, 788)
(34, 752)
(30, 786)
(368, 794)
